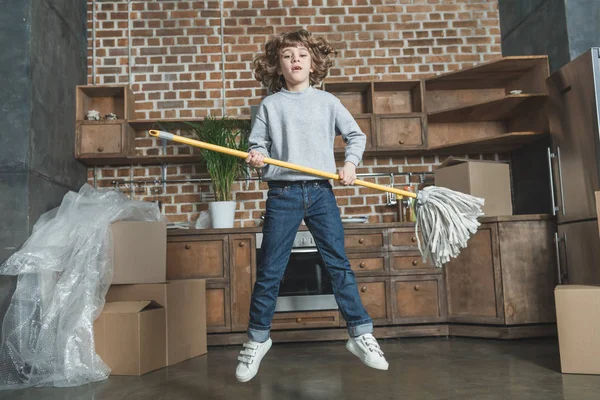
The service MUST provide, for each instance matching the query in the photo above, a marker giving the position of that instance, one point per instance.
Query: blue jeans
(287, 204)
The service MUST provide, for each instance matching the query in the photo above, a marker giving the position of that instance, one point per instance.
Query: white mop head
(447, 219)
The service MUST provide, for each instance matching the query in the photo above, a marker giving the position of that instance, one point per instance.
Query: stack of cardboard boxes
(148, 323)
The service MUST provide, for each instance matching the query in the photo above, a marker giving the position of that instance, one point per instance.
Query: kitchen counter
(256, 229)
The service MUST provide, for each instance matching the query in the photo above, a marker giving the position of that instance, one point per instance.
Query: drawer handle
(415, 263)
(361, 240)
(188, 246)
(362, 265)
(363, 289)
(242, 244)
(417, 288)
(100, 149)
(401, 141)
(299, 320)
(414, 238)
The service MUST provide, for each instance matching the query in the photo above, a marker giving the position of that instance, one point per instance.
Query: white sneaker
(250, 358)
(367, 349)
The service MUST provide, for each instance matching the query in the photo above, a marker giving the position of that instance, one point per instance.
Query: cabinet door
(375, 296)
(243, 273)
(473, 280)
(204, 257)
(417, 299)
(218, 317)
(104, 140)
(395, 132)
(529, 273)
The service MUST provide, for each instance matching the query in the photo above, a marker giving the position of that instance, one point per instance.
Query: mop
(446, 218)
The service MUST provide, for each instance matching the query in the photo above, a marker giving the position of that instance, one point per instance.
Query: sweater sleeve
(354, 138)
(259, 139)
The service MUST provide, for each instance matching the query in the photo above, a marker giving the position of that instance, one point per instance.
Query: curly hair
(266, 65)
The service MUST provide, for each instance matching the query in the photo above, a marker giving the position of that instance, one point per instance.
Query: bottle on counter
(406, 207)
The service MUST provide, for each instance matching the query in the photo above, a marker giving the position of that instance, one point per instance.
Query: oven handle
(310, 250)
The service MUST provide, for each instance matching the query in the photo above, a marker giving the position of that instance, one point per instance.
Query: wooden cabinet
(190, 257)
(389, 113)
(103, 140)
(418, 299)
(506, 275)
(228, 263)
(495, 106)
(503, 280)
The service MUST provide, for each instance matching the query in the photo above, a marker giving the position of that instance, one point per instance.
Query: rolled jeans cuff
(258, 333)
(358, 330)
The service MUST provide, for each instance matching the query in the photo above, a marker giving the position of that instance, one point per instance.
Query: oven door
(306, 284)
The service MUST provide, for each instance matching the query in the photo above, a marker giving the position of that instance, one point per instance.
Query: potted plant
(222, 168)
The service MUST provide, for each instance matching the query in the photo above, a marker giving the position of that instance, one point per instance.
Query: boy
(298, 124)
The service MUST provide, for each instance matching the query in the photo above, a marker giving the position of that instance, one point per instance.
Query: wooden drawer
(104, 139)
(398, 131)
(367, 264)
(405, 239)
(364, 241)
(417, 299)
(218, 318)
(411, 263)
(306, 320)
(374, 293)
(197, 257)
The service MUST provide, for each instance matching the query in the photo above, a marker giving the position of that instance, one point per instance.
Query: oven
(306, 284)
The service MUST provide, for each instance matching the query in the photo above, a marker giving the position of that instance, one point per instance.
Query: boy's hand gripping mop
(447, 218)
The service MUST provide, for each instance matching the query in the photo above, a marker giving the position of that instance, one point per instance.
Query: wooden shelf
(144, 160)
(493, 74)
(495, 144)
(145, 124)
(496, 110)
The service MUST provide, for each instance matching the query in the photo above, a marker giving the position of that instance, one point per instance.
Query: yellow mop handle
(242, 154)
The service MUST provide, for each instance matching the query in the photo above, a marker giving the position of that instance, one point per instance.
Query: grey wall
(562, 29)
(583, 23)
(535, 27)
(43, 58)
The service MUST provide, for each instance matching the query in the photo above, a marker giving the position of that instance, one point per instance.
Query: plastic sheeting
(64, 271)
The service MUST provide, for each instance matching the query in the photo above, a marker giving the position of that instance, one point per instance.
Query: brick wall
(170, 52)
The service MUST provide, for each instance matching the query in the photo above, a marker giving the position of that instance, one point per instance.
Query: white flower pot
(222, 213)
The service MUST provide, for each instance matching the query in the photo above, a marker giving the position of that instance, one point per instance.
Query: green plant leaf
(223, 168)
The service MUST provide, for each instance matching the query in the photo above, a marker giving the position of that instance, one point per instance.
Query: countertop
(255, 229)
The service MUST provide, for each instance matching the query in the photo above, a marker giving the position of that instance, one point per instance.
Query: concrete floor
(424, 368)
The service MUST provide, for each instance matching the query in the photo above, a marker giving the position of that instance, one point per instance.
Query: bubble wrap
(64, 271)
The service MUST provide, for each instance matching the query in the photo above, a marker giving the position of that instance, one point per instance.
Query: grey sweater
(300, 127)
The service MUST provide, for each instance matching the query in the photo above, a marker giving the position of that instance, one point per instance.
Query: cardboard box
(578, 322)
(487, 179)
(185, 305)
(130, 337)
(139, 252)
